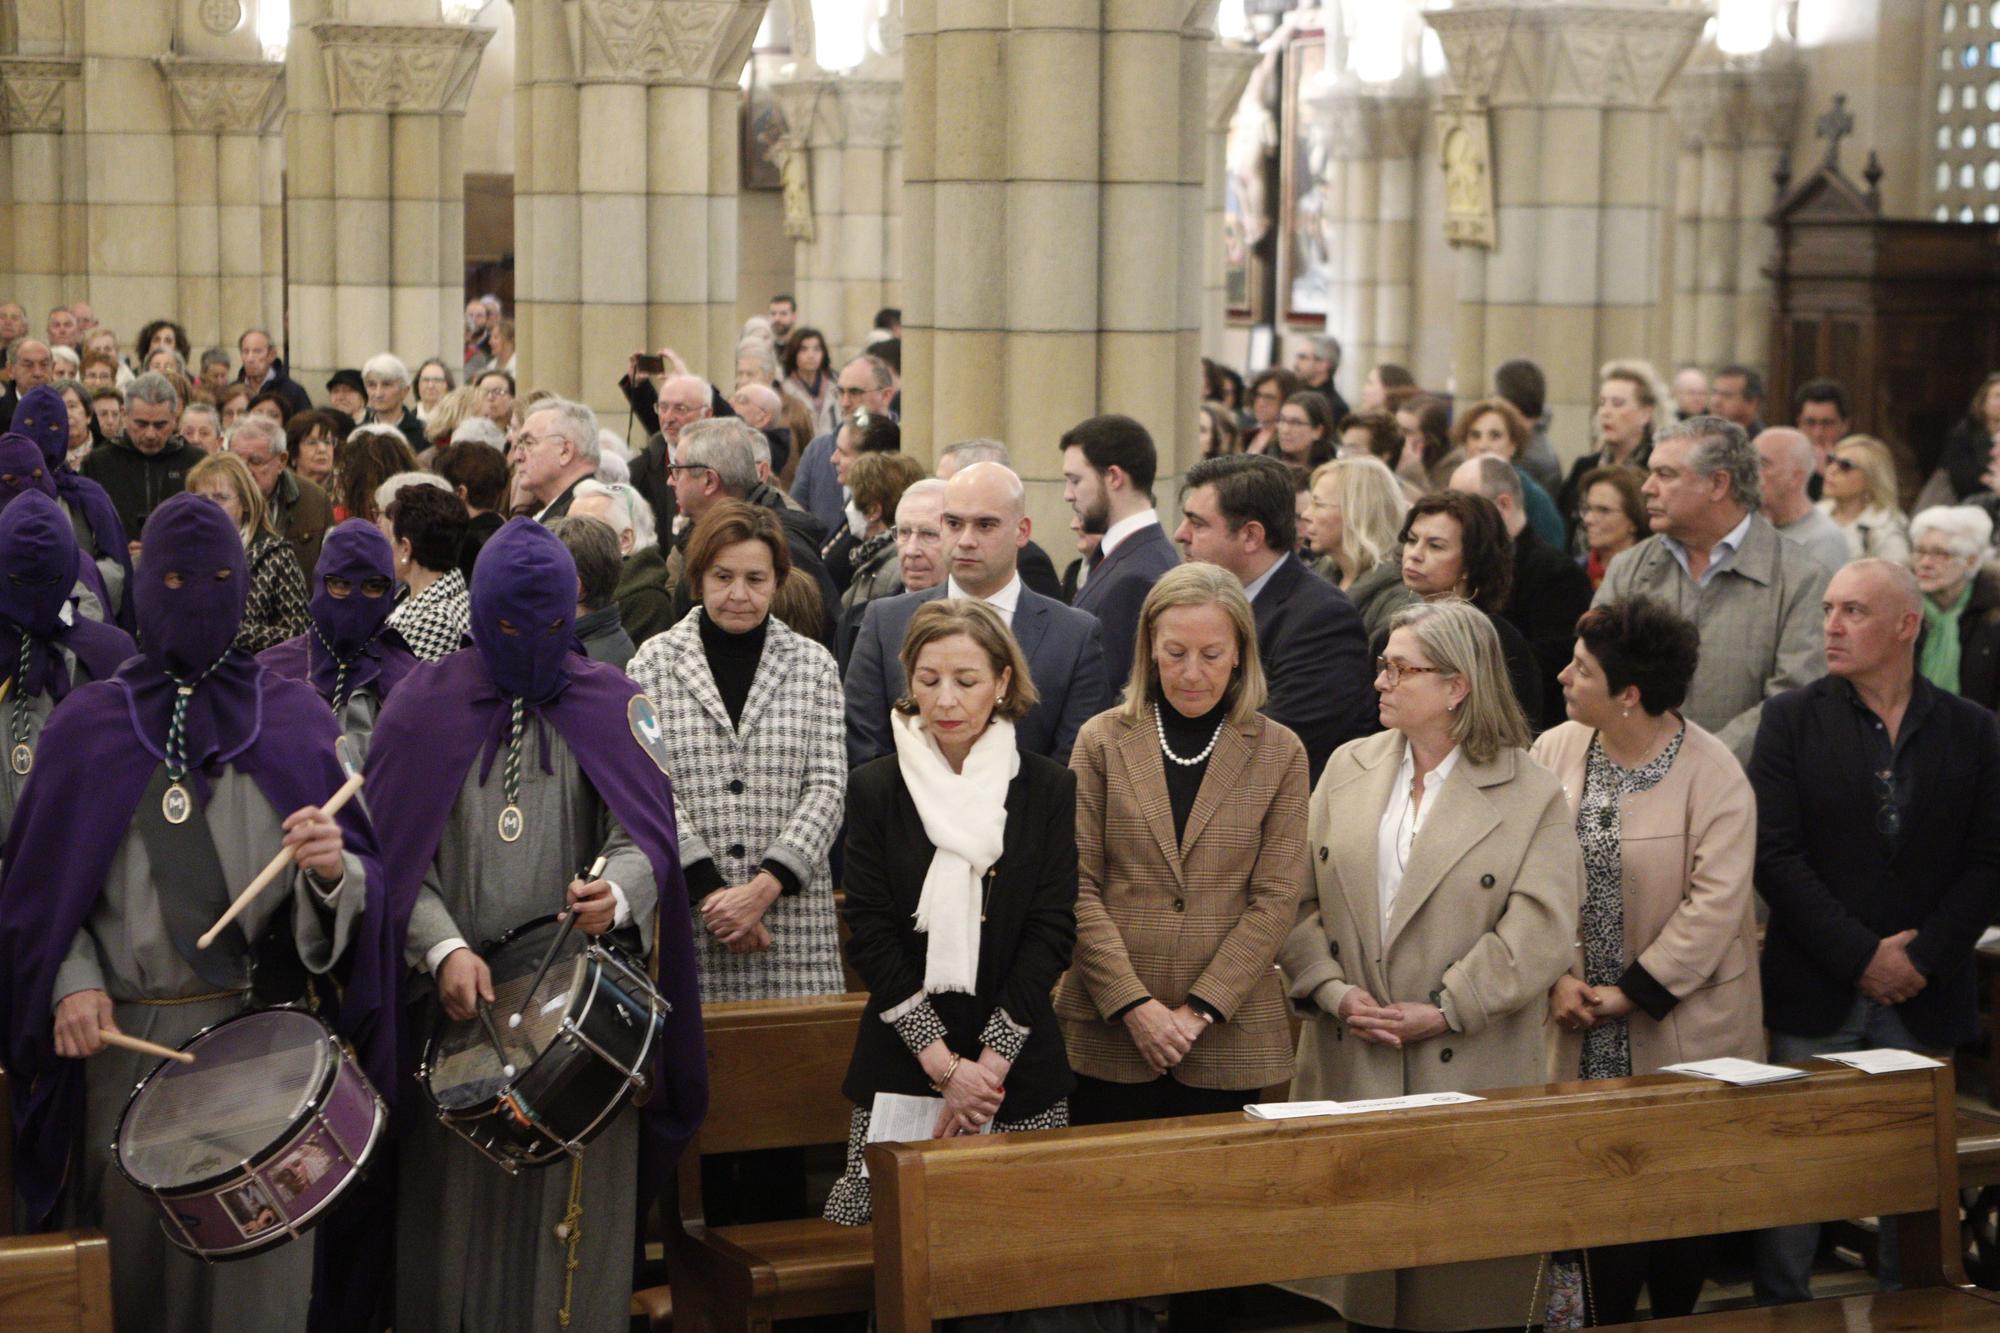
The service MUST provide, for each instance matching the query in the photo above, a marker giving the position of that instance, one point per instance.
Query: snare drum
(583, 1050)
(256, 1140)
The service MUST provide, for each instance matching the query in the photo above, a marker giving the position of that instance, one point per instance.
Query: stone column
(376, 250)
(1229, 69)
(223, 112)
(1053, 243)
(127, 186)
(1578, 170)
(625, 185)
(41, 243)
(1371, 195)
(851, 130)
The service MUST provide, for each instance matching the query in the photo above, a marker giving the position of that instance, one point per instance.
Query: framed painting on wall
(1305, 257)
(763, 123)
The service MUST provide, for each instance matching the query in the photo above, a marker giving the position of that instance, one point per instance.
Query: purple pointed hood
(345, 625)
(524, 610)
(43, 417)
(23, 469)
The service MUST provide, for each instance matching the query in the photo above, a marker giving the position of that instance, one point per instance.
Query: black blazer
(1835, 886)
(1024, 944)
(1550, 593)
(1117, 590)
(1316, 661)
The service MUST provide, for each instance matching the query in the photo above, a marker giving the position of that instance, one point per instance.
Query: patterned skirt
(851, 1205)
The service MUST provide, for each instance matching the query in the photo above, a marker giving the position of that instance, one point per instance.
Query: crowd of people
(1476, 765)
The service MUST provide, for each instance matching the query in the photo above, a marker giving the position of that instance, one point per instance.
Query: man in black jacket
(1878, 852)
(148, 462)
(1238, 513)
(264, 372)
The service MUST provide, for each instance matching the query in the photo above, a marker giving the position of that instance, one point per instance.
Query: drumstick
(493, 1035)
(562, 933)
(113, 1037)
(276, 864)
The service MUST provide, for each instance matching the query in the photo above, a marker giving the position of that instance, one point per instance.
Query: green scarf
(1938, 662)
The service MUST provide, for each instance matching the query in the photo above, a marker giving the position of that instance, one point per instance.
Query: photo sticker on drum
(250, 1207)
(300, 1169)
(647, 731)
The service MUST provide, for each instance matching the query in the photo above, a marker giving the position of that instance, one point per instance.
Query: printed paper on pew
(1884, 1061)
(1300, 1110)
(899, 1118)
(1728, 1069)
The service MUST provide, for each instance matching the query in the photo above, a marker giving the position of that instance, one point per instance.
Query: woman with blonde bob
(276, 609)
(961, 897)
(1190, 816)
(1446, 883)
(1356, 512)
(1861, 497)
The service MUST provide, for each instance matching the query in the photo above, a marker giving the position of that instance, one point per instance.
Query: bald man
(1784, 471)
(985, 524)
(1877, 852)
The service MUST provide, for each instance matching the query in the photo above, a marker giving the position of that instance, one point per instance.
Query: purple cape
(74, 810)
(293, 659)
(43, 417)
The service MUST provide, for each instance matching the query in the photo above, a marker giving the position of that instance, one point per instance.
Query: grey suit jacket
(1117, 590)
(1065, 655)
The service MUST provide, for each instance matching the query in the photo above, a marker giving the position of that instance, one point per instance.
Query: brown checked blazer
(1203, 917)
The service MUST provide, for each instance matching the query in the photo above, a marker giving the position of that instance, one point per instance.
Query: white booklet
(897, 1117)
(1728, 1069)
(1300, 1110)
(1884, 1061)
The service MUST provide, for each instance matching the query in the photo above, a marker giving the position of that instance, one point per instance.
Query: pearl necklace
(1160, 725)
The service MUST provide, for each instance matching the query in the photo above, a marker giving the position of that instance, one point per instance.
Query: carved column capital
(1565, 52)
(703, 42)
(400, 67)
(31, 92)
(224, 96)
(828, 112)
(1727, 106)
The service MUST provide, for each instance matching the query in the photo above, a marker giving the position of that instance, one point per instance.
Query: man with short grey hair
(148, 463)
(263, 370)
(645, 607)
(1315, 363)
(1785, 459)
(1753, 595)
(556, 449)
(386, 380)
(599, 624)
(33, 364)
(297, 509)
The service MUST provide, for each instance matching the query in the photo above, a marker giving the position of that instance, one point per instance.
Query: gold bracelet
(945, 1082)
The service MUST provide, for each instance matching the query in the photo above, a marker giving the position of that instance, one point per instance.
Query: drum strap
(193, 892)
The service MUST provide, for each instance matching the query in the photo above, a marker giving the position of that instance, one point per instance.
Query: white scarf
(965, 817)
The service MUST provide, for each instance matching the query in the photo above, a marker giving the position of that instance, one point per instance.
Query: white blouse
(1401, 822)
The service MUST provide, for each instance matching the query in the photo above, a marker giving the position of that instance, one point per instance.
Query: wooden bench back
(971, 1226)
(56, 1283)
(774, 1072)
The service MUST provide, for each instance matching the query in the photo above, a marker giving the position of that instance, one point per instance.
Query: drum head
(463, 1070)
(253, 1078)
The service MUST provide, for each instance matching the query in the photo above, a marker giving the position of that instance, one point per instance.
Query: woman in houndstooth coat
(751, 714)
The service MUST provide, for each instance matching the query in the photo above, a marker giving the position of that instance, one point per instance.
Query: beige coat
(1688, 847)
(1484, 923)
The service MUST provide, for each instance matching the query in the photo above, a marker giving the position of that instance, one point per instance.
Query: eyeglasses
(1602, 511)
(1395, 671)
(849, 393)
(689, 467)
(1934, 553)
(1301, 422)
(1888, 815)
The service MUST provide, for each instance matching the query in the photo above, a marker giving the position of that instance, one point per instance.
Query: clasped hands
(735, 915)
(1890, 977)
(972, 1095)
(1577, 1007)
(1164, 1036)
(1390, 1024)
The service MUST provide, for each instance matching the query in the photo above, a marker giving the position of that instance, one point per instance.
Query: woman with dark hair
(426, 524)
(1668, 970)
(1456, 547)
(1381, 382)
(1270, 390)
(809, 377)
(310, 438)
(1968, 450)
(1219, 432)
(478, 473)
(434, 381)
(369, 457)
(272, 404)
(1427, 458)
(163, 333)
(1612, 517)
(1305, 430)
(1495, 426)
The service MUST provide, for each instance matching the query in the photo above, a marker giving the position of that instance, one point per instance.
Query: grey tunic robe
(357, 721)
(124, 950)
(38, 711)
(477, 1249)
(113, 572)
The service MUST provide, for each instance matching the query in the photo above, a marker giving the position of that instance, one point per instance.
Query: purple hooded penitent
(40, 558)
(43, 417)
(347, 649)
(524, 609)
(22, 469)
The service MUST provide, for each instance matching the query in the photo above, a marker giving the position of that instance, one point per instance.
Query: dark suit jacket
(1550, 592)
(1065, 656)
(1118, 588)
(1038, 572)
(1836, 885)
(1315, 661)
(1024, 942)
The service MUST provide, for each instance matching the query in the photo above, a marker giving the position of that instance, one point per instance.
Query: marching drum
(256, 1140)
(582, 1049)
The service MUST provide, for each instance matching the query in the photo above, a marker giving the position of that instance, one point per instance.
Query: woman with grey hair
(1959, 649)
(387, 381)
(1439, 910)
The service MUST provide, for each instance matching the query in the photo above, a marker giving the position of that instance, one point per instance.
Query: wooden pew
(56, 1283)
(982, 1225)
(774, 1072)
